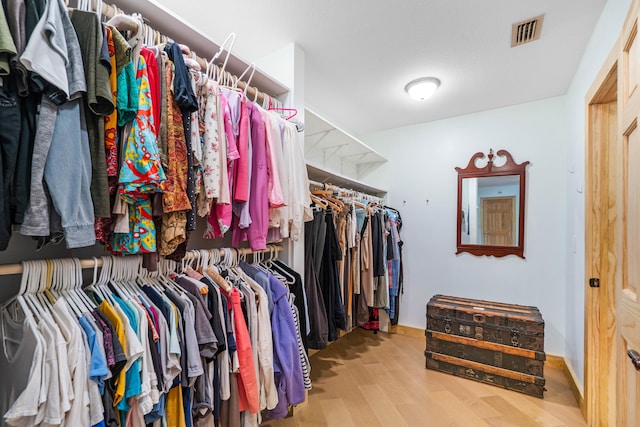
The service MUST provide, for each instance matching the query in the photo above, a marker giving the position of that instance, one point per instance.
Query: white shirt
(22, 383)
(79, 414)
(134, 347)
(299, 200)
(149, 381)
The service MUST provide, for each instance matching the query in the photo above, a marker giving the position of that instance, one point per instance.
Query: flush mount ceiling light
(422, 88)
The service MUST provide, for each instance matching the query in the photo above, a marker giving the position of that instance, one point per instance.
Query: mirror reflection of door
(491, 202)
(498, 216)
(496, 224)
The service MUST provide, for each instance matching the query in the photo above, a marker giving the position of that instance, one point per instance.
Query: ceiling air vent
(526, 31)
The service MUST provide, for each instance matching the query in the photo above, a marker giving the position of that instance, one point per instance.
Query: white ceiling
(361, 53)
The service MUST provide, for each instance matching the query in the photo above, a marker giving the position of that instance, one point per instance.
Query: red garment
(154, 86)
(247, 380)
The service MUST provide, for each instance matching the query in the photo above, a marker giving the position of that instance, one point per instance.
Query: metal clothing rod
(12, 269)
(108, 11)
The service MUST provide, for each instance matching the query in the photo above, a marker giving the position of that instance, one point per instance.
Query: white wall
(422, 184)
(602, 40)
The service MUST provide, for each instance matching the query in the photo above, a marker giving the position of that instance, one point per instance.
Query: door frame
(603, 131)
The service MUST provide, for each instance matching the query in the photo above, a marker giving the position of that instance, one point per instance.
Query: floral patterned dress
(141, 175)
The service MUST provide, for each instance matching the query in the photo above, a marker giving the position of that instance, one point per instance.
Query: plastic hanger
(231, 39)
(32, 287)
(68, 284)
(76, 294)
(88, 304)
(126, 22)
(106, 274)
(150, 36)
(19, 298)
(273, 104)
(268, 266)
(96, 287)
(134, 270)
(251, 67)
(214, 275)
(289, 279)
(125, 274)
(294, 112)
(49, 279)
(95, 273)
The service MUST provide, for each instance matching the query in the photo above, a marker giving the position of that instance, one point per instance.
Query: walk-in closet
(366, 213)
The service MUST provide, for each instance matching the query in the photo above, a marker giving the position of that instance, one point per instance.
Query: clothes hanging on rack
(200, 346)
(149, 139)
(318, 336)
(352, 263)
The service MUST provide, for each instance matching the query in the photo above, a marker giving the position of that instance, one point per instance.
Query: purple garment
(234, 100)
(256, 233)
(286, 357)
(107, 341)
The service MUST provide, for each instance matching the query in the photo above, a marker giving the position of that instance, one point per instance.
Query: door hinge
(594, 282)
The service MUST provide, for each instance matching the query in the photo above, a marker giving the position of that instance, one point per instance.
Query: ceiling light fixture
(422, 88)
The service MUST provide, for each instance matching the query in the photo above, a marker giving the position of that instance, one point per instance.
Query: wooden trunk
(496, 343)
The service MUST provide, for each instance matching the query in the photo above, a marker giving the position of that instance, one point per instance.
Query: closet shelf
(336, 149)
(317, 173)
(167, 22)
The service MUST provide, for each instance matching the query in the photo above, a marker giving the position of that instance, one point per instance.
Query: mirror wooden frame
(472, 171)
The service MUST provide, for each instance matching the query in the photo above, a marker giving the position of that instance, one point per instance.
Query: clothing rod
(108, 11)
(335, 188)
(13, 269)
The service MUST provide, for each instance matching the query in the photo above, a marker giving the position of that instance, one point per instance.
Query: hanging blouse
(174, 195)
(140, 175)
(141, 171)
(208, 124)
(275, 159)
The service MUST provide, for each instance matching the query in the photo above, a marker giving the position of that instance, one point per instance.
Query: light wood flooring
(370, 380)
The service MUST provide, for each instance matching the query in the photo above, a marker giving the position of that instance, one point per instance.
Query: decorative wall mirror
(491, 206)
